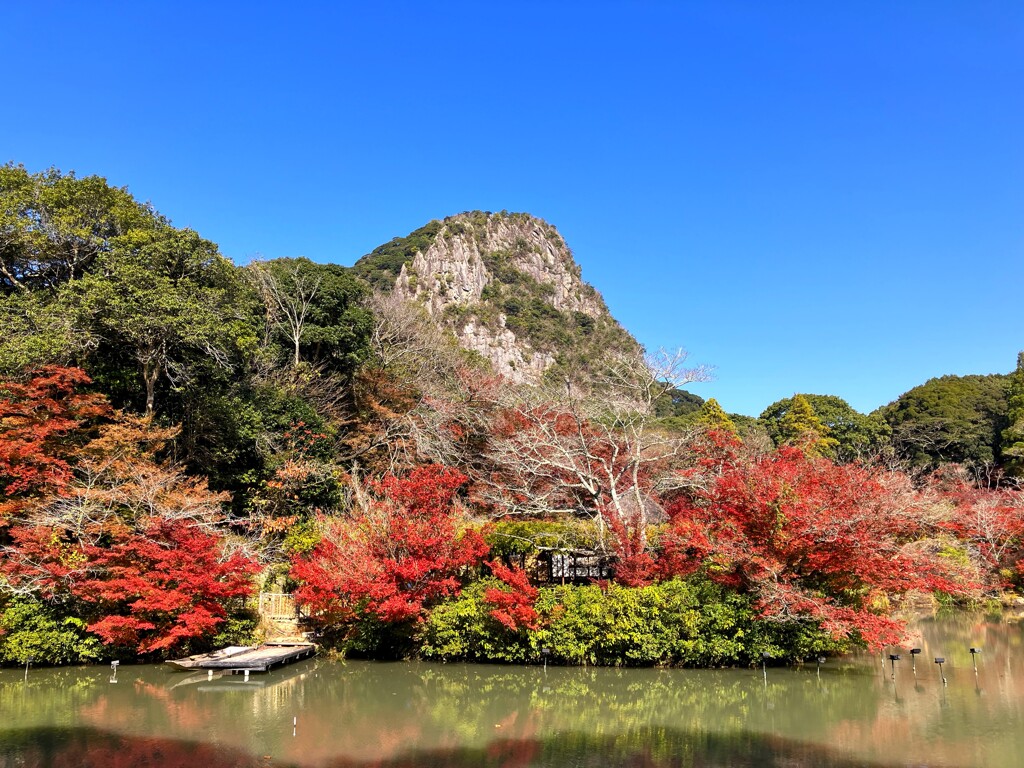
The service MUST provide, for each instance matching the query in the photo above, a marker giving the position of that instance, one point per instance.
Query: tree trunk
(150, 373)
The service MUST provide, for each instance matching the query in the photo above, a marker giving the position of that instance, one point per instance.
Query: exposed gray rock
(453, 270)
(476, 263)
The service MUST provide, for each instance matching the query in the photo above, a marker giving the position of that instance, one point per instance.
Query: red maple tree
(129, 544)
(399, 550)
(41, 420)
(811, 539)
(514, 601)
(990, 521)
(164, 585)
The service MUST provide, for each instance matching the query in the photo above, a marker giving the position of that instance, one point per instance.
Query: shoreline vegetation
(179, 434)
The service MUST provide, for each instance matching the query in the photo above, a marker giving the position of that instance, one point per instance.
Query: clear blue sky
(813, 197)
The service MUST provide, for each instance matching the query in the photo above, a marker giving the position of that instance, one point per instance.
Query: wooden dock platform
(246, 659)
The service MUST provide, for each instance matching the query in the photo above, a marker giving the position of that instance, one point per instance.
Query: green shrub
(682, 622)
(690, 623)
(463, 629)
(239, 628)
(36, 631)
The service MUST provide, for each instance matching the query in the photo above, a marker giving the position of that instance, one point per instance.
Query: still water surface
(342, 714)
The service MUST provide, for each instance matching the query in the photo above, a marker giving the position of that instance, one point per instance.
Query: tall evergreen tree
(713, 417)
(801, 427)
(1013, 436)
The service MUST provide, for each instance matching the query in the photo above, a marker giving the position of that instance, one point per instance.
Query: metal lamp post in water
(940, 661)
(974, 659)
(113, 670)
(913, 658)
(893, 658)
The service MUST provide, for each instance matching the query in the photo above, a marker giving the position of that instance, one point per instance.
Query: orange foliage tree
(130, 544)
(41, 420)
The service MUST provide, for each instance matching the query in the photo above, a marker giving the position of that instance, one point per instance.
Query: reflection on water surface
(411, 714)
(86, 748)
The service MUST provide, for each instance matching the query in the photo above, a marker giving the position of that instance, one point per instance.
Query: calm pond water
(326, 713)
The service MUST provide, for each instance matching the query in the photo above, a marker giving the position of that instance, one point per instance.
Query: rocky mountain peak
(507, 286)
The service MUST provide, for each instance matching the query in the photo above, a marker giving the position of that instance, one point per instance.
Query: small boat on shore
(248, 658)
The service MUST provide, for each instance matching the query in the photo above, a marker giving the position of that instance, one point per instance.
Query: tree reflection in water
(647, 748)
(391, 714)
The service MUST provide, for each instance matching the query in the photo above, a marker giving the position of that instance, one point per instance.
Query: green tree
(35, 332)
(856, 435)
(163, 323)
(1013, 435)
(951, 419)
(163, 300)
(314, 310)
(677, 402)
(797, 424)
(54, 226)
(712, 416)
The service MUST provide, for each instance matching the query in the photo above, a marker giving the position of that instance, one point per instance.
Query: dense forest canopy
(177, 432)
(849, 434)
(951, 419)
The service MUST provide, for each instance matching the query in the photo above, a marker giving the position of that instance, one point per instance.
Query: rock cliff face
(506, 285)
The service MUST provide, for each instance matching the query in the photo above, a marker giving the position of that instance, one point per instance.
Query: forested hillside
(952, 419)
(450, 450)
